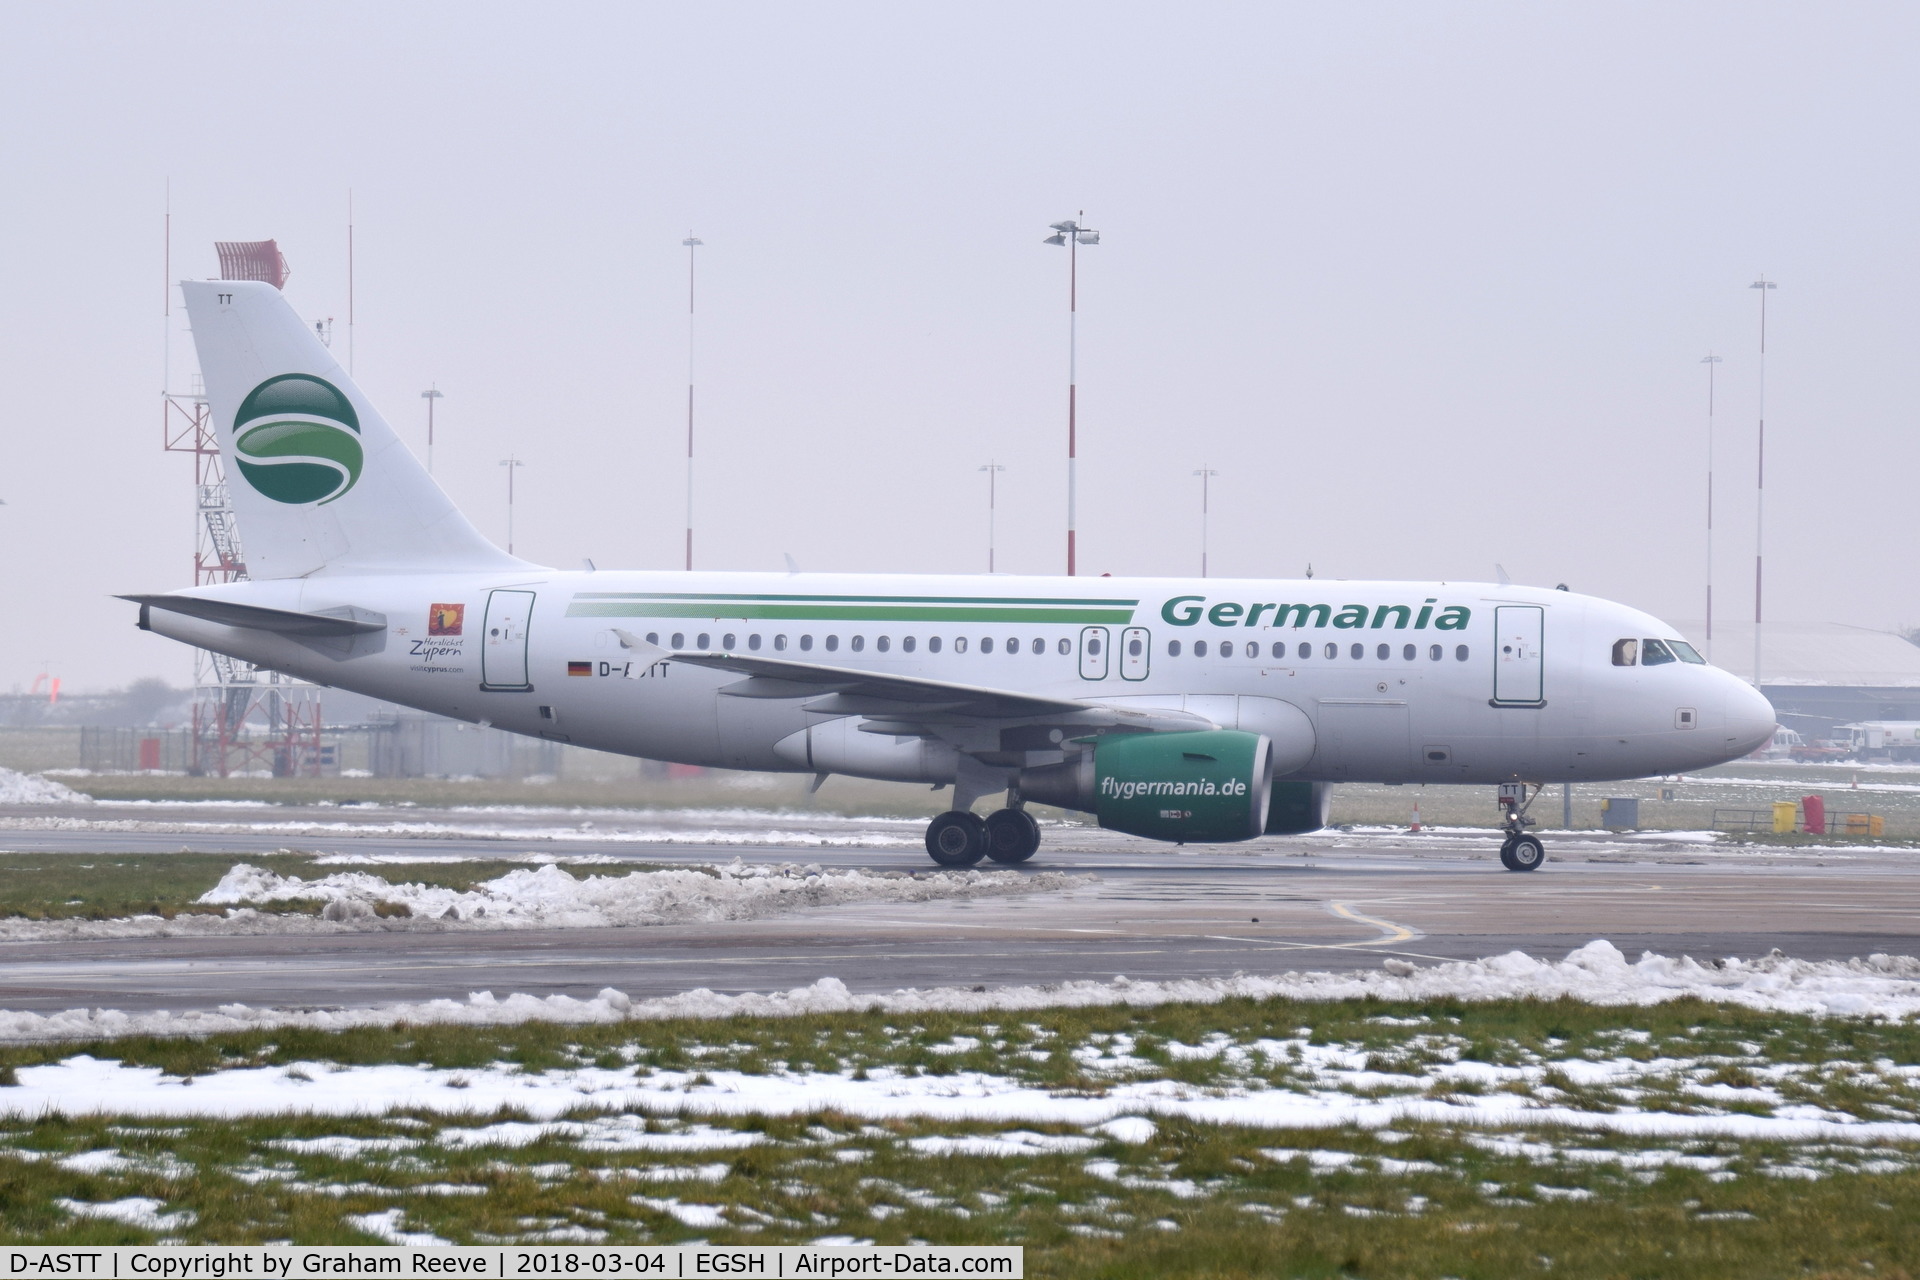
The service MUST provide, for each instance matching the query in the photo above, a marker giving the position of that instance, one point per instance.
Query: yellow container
(1785, 816)
(1876, 825)
(1861, 824)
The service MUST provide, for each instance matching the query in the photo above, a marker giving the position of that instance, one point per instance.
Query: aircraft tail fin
(319, 482)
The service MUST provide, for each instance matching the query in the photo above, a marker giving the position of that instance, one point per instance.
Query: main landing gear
(1519, 851)
(959, 839)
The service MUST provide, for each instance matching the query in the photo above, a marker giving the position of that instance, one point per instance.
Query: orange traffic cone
(1416, 815)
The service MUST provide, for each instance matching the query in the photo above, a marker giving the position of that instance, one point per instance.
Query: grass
(1194, 1200)
(55, 886)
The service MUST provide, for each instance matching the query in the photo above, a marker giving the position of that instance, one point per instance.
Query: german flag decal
(579, 668)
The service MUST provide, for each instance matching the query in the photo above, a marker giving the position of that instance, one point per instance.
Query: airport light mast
(993, 470)
(430, 395)
(691, 243)
(1071, 234)
(512, 464)
(1206, 475)
(1765, 286)
(1710, 361)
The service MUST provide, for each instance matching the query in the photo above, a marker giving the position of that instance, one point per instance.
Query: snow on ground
(1880, 985)
(754, 837)
(1326, 1087)
(544, 897)
(32, 788)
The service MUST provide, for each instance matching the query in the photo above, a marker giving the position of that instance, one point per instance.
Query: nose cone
(1749, 719)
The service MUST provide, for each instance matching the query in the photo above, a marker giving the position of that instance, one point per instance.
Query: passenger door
(503, 649)
(1519, 669)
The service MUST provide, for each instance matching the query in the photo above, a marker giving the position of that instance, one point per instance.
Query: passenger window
(702, 642)
(1040, 646)
(1065, 646)
(779, 642)
(857, 643)
(833, 642)
(679, 640)
(1654, 653)
(1306, 650)
(1173, 648)
(1433, 653)
(1333, 650)
(726, 641)
(907, 644)
(1359, 651)
(933, 644)
(653, 637)
(1626, 652)
(1384, 652)
(753, 642)
(1409, 653)
(1199, 648)
(1134, 647)
(1460, 653)
(1093, 646)
(959, 644)
(882, 643)
(986, 644)
(1226, 648)
(1686, 652)
(806, 642)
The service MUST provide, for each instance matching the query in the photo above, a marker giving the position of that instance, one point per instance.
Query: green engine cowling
(1191, 788)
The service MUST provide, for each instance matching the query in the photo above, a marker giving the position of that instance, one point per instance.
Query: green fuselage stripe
(832, 612)
(783, 598)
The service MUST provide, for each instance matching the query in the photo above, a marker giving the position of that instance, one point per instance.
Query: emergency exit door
(503, 649)
(1519, 676)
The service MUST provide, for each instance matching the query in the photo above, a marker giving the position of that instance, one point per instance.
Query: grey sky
(1427, 284)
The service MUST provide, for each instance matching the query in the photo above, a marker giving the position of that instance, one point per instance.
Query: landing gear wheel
(956, 839)
(1012, 836)
(1523, 853)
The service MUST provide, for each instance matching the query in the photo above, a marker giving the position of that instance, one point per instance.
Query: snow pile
(1879, 986)
(547, 897)
(32, 788)
(543, 897)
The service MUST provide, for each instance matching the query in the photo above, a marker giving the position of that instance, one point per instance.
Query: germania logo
(296, 439)
(1187, 611)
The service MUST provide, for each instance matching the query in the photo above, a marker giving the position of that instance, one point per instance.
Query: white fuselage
(1401, 681)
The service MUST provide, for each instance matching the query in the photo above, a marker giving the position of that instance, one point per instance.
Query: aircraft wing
(894, 704)
(344, 621)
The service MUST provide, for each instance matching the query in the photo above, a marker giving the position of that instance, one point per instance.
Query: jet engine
(1211, 786)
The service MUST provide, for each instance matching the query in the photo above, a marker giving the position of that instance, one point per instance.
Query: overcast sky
(1427, 284)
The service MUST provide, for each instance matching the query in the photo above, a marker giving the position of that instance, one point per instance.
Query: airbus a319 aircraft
(1182, 710)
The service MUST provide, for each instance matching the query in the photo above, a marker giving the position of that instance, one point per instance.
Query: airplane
(1173, 709)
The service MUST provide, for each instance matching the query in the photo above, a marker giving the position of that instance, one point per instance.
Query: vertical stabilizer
(320, 483)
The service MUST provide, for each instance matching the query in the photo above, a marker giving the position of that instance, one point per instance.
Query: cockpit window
(1626, 652)
(1686, 652)
(1654, 652)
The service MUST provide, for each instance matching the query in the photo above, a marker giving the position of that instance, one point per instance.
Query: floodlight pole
(1765, 286)
(692, 242)
(512, 464)
(1206, 475)
(1710, 361)
(430, 395)
(993, 470)
(1071, 234)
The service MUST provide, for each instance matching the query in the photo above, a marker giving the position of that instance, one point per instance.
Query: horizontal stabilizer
(344, 621)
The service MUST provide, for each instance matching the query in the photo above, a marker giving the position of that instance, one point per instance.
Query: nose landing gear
(1519, 851)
